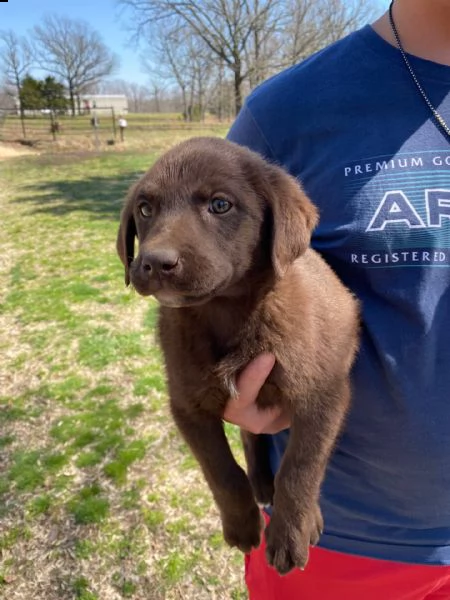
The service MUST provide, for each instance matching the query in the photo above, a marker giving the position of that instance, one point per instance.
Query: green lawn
(99, 497)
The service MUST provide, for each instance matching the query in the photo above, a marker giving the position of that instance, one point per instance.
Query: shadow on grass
(102, 196)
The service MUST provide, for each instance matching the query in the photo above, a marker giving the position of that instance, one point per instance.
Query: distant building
(102, 103)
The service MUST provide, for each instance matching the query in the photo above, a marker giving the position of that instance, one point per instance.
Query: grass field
(99, 497)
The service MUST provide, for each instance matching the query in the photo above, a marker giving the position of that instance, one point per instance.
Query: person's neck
(423, 27)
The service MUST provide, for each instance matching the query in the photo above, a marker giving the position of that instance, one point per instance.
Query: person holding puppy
(365, 125)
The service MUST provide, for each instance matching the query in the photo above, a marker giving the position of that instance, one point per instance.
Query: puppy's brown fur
(224, 246)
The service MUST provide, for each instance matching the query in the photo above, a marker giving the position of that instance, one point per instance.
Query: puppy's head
(207, 214)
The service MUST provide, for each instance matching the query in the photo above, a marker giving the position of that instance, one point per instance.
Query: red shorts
(335, 576)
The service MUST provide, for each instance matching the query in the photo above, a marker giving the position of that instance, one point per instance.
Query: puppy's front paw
(244, 530)
(288, 543)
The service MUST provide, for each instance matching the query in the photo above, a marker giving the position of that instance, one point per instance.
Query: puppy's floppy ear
(294, 218)
(125, 238)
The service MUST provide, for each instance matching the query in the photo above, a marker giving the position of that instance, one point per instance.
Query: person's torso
(354, 129)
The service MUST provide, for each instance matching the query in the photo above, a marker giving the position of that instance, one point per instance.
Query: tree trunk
(21, 108)
(72, 99)
(185, 104)
(201, 96)
(237, 89)
(191, 99)
(220, 106)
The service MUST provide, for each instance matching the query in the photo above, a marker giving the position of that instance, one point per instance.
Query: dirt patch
(11, 151)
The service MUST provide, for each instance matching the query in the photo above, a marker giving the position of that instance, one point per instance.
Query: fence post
(113, 121)
(22, 120)
(53, 125)
(3, 115)
(95, 126)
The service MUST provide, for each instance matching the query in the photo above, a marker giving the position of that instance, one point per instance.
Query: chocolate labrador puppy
(224, 247)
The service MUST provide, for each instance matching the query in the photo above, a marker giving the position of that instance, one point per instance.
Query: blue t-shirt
(351, 125)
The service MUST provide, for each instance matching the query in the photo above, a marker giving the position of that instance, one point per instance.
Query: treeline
(199, 55)
(41, 94)
(216, 51)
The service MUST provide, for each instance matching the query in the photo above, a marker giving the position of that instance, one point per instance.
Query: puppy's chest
(204, 359)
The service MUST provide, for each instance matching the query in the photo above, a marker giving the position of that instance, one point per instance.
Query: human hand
(242, 410)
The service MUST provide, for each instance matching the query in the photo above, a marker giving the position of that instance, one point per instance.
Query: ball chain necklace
(439, 119)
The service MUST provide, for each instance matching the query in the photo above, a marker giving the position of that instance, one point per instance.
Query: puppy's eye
(145, 210)
(219, 206)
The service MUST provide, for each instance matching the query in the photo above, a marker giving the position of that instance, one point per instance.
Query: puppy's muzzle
(160, 263)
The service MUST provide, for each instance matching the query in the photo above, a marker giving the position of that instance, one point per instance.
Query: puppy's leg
(256, 451)
(241, 518)
(297, 522)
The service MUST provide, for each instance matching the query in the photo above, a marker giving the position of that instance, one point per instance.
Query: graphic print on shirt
(406, 222)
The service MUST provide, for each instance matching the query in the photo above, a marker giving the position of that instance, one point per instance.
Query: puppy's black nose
(160, 262)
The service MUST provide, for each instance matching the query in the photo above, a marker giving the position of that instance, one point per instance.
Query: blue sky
(103, 15)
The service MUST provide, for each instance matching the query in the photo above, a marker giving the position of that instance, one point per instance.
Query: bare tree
(252, 38)
(225, 26)
(310, 25)
(259, 50)
(157, 90)
(173, 61)
(136, 94)
(338, 18)
(183, 59)
(109, 86)
(16, 58)
(74, 52)
(6, 100)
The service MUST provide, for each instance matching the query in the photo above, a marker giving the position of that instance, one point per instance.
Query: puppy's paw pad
(287, 545)
(244, 532)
